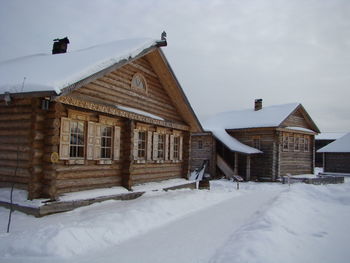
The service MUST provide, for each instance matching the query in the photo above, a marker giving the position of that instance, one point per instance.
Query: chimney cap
(258, 104)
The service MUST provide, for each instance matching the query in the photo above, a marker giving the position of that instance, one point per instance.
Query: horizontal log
(66, 168)
(15, 116)
(14, 164)
(15, 148)
(157, 170)
(10, 124)
(22, 156)
(77, 183)
(13, 171)
(15, 132)
(137, 181)
(14, 179)
(89, 174)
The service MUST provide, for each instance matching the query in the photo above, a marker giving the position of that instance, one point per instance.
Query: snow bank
(99, 226)
(306, 224)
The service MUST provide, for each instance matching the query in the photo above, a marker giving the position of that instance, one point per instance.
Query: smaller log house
(261, 143)
(110, 115)
(337, 155)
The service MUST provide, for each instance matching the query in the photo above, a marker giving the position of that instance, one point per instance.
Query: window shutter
(149, 145)
(166, 153)
(155, 146)
(64, 139)
(171, 151)
(90, 140)
(180, 148)
(136, 144)
(116, 146)
(97, 142)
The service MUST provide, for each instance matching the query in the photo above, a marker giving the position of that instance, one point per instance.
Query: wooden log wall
(337, 162)
(297, 162)
(203, 148)
(62, 177)
(296, 120)
(15, 143)
(261, 164)
(151, 170)
(115, 88)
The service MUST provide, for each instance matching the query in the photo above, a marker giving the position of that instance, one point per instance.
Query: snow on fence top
(47, 72)
(341, 145)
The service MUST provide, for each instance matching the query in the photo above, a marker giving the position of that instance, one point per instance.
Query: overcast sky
(225, 53)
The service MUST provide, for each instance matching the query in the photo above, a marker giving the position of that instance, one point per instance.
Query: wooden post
(248, 168)
(128, 158)
(235, 170)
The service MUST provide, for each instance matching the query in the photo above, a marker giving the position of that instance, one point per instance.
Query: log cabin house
(337, 155)
(109, 115)
(257, 144)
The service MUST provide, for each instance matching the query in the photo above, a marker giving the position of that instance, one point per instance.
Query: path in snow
(189, 239)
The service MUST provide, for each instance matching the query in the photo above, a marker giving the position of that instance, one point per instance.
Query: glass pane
(73, 139)
(80, 127)
(81, 139)
(73, 127)
(80, 151)
(72, 151)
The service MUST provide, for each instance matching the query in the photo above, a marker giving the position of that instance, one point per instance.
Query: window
(141, 145)
(106, 142)
(256, 142)
(138, 82)
(161, 146)
(176, 147)
(306, 144)
(290, 142)
(86, 140)
(296, 143)
(285, 142)
(200, 144)
(77, 140)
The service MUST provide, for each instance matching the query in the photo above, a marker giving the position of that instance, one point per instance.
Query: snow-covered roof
(271, 116)
(47, 72)
(329, 135)
(232, 143)
(340, 145)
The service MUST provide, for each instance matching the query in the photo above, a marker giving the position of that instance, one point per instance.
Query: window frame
(76, 134)
(142, 142)
(161, 146)
(110, 147)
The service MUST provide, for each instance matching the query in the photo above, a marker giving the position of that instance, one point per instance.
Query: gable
(300, 118)
(115, 88)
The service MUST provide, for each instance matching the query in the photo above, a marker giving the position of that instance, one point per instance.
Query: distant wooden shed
(337, 155)
(263, 143)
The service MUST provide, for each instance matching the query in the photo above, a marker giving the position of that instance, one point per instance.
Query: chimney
(258, 104)
(60, 45)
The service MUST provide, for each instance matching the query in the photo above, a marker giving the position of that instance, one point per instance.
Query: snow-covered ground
(261, 222)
